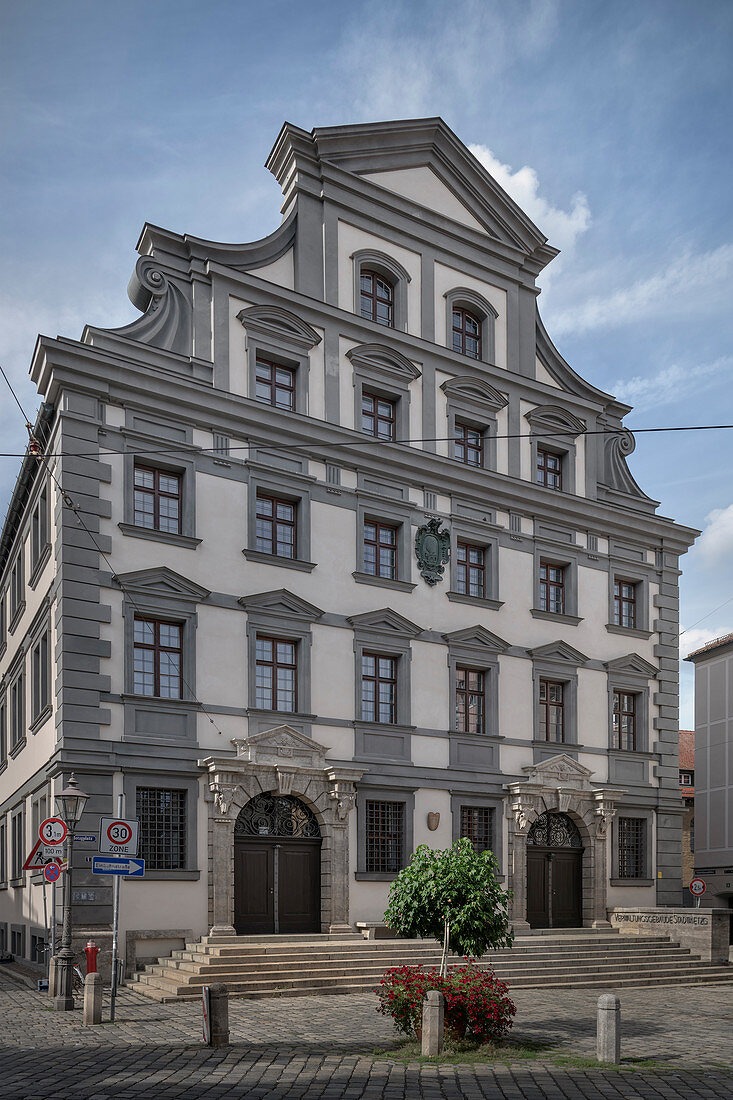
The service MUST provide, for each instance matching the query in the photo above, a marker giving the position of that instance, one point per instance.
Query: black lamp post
(69, 806)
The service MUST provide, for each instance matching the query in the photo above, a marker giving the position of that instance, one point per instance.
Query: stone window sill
(16, 617)
(166, 876)
(628, 631)
(17, 748)
(39, 566)
(282, 562)
(553, 616)
(169, 537)
(40, 718)
(480, 601)
(18, 883)
(561, 746)
(383, 582)
(632, 882)
(375, 876)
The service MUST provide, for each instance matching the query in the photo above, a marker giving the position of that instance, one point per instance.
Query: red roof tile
(712, 644)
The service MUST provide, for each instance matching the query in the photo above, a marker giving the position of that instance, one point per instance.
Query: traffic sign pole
(115, 926)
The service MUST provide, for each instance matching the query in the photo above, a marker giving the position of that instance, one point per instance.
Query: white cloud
(716, 540)
(670, 291)
(561, 227)
(669, 384)
(700, 636)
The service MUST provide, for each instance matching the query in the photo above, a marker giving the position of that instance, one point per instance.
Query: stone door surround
(561, 785)
(282, 761)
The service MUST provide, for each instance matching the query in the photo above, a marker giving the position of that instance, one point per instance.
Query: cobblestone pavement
(322, 1048)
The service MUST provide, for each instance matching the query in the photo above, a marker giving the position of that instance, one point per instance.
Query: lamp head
(70, 803)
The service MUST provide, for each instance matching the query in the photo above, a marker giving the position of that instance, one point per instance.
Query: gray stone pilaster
(666, 734)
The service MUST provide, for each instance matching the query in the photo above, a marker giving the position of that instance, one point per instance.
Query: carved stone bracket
(224, 796)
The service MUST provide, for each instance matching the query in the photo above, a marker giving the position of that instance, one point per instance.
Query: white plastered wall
(350, 240)
(448, 278)
(421, 185)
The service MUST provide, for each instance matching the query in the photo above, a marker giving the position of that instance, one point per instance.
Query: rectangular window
(549, 469)
(378, 416)
(378, 688)
(17, 712)
(3, 732)
(157, 502)
(275, 384)
(471, 570)
(380, 550)
(552, 718)
(624, 603)
(17, 857)
(632, 847)
(17, 942)
(16, 585)
(624, 721)
(41, 675)
(477, 824)
(39, 526)
(276, 674)
(162, 816)
(686, 779)
(385, 843)
(470, 703)
(158, 653)
(468, 445)
(552, 588)
(3, 851)
(276, 530)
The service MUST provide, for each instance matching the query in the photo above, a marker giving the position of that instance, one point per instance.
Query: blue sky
(609, 122)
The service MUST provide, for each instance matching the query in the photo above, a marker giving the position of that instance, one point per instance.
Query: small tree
(453, 896)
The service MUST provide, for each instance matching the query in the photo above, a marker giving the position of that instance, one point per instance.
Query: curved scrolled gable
(476, 390)
(276, 322)
(553, 418)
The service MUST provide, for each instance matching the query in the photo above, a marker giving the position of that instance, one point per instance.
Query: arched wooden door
(277, 867)
(554, 873)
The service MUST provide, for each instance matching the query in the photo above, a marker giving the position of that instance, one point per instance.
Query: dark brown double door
(277, 885)
(554, 887)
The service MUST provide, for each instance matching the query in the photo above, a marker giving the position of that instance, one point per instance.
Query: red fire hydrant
(91, 950)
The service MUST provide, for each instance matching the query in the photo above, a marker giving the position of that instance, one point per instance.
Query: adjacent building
(687, 790)
(332, 555)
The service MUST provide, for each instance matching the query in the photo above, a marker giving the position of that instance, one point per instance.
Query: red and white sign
(41, 855)
(118, 837)
(51, 872)
(52, 831)
(697, 887)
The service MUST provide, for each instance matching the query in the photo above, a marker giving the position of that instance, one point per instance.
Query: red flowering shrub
(475, 999)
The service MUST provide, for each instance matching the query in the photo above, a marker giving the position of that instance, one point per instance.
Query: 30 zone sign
(118, 837)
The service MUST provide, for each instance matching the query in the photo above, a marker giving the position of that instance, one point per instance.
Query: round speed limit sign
(697, 887)
(119, 832)
(52, 831)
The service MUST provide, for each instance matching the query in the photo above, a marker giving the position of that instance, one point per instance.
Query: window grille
(385, 825)
(477, 823)
(162, 816)
(631, 847)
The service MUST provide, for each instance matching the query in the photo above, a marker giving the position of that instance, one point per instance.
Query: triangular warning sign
(36, 862)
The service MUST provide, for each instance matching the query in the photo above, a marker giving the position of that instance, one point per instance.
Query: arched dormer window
(380, 288)
(470, 324)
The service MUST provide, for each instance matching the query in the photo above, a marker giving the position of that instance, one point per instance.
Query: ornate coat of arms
(432, 550)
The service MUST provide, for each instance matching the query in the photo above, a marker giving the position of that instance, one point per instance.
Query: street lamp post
(70, 806)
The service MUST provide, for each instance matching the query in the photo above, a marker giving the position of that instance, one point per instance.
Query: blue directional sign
(118, 865)
(85, 838)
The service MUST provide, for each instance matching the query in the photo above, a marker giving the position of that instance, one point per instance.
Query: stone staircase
(292, 966)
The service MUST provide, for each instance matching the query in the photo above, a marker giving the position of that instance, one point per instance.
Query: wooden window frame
(378, 679)
(545, 705)
(619, 712)
(372, 297)
(463, 724)
(462, 333)
(377, 418)
(157, 649)
(376, 542)
(552, 590)
(157, 495)
(275, 523)
(623, 603)
(274, 664)
(546, 474)
(463, 448)
(274, 385)
(465, 569)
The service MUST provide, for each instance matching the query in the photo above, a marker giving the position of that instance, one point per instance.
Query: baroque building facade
(334, 555)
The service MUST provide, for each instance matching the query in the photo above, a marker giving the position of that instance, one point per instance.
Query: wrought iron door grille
(162, 815)
(385, 822)
(554, 831)
(277, 815)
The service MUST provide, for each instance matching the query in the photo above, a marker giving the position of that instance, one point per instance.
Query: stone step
(316, 939)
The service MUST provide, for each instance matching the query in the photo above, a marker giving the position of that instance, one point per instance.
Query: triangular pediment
(478, 637)
(558, 651)
(162, 581)
(280, 323)
(385, 621)
(281, 745)
(475, 391)
(555, 420)
(379, 357)
(632, 664)
(560, 768)
(281, 602)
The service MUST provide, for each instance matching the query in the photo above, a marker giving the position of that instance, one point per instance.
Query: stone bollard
(219, 1020)
(433, 1011)
(93, 998)
(608, 1036)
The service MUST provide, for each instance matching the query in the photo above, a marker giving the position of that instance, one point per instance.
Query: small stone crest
(432, 550)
